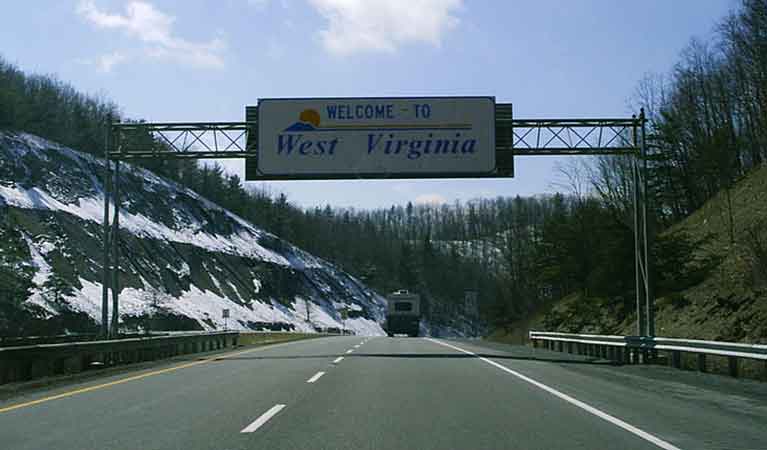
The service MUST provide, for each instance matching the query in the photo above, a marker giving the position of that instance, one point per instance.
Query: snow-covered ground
(79, 193)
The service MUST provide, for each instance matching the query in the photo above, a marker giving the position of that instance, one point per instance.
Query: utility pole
(106, 260)
(344, 315)
(116, 256)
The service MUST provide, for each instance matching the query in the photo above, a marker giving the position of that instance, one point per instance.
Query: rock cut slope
(184, 258)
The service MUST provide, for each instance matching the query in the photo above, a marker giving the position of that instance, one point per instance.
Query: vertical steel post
(106, 261)
(116, 254)
(649, 300)
(637, 246)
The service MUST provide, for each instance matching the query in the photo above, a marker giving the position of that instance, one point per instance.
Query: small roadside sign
(225, 313)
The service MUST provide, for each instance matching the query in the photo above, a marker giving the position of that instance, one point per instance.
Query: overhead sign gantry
(383, 138)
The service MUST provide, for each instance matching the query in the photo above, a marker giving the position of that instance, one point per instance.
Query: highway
(390, 393)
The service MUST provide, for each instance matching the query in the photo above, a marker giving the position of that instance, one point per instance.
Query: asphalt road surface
(391, 393)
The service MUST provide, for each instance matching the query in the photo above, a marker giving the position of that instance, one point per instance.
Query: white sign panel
(376, 136)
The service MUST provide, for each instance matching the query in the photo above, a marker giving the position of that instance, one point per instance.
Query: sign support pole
(105, 232)
(116, 256)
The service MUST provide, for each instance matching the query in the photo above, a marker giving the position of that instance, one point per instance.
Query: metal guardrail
(638, 349)
(26, 362)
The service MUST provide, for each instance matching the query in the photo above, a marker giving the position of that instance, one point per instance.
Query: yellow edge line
(133, 378)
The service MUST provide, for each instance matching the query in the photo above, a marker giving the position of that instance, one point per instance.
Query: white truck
(404, 313)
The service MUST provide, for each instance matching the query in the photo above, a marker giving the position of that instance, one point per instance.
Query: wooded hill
(707, 129)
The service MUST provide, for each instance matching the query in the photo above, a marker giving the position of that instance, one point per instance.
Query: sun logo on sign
(308, 120)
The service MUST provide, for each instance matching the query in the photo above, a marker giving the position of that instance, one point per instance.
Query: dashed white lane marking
(263, 419)
(586, 407)
(315, 377)
(338, 360)
(357, 346)
(350, 350)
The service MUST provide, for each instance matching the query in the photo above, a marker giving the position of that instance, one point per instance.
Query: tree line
(707, 127)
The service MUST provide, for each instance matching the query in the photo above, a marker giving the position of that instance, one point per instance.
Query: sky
(195, 60)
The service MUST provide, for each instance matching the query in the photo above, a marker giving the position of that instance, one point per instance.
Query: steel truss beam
(180, 140)
(573, 137)
(514, 137)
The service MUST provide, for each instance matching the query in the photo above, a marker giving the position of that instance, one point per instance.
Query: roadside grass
(728, 303)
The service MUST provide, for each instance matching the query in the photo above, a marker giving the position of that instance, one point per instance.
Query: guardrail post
(676, 359)
(733, 363)
(702, 362)
(569, 347)
(560, 346)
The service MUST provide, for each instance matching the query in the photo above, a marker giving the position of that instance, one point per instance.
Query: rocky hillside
(184, 259)
(710, 285)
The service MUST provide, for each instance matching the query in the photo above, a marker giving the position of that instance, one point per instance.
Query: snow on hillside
(156, 209)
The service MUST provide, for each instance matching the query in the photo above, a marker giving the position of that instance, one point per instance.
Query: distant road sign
(225, 314)
(375, 137)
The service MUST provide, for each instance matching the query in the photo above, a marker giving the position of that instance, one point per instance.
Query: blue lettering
(428, 144)
(333, 144)
(414, 147)
(331, 111)
(373, 141)
(455, 143)
(287, 142)
(441, 144)
(388, 144)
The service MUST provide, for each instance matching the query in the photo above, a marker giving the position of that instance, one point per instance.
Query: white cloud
(155, 29)
(356, 26)
(106, 62)
(430, 199)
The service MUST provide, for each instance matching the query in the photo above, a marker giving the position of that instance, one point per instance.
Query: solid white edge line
(586, 407)
(263, 419)
(315, 377)
(338, 360)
